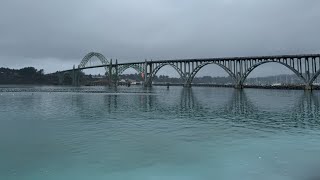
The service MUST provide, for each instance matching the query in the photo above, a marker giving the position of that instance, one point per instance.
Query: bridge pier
(308, 87)
(187, 85)
(75, 77)
(239, 82)
(238, 86)
(110, 73)
(147, 76)
(60, 78)
(115, 75)
(147, 83)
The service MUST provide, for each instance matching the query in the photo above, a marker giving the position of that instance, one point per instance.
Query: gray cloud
(61, 32)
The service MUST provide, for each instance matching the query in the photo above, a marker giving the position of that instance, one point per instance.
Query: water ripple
(137, 133)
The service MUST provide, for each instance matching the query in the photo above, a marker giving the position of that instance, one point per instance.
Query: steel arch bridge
(90, 55)
(305, 66)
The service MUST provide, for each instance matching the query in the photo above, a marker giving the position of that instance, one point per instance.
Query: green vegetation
(28, 75)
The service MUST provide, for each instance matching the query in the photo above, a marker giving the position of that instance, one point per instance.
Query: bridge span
(305, 66)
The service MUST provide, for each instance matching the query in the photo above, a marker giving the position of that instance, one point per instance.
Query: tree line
(27, 75)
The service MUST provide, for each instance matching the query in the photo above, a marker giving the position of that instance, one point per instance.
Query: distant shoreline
(292, 87)
(280, 87)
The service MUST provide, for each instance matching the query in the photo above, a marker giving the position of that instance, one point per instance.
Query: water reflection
(237, 107)
(239, 104)
(188, 99)
(306, 111)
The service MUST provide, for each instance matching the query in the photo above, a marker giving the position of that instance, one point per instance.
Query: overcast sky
(56, 34)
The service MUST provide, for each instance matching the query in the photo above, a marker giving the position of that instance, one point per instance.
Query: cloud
(46, 31)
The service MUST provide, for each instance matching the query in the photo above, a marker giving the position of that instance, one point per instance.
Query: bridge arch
(246, 74)
(63, 76)
(90, 55)
(314, 77)
(198, 68)
(157, 68)
(136, 67)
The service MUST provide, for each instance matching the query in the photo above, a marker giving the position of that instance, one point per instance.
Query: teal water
(97, 133)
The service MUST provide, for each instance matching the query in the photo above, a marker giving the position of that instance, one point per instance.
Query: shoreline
(283, 87)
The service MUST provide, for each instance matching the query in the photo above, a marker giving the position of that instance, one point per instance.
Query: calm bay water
(100, 133)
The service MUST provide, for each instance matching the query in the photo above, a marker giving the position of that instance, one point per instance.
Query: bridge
(305, 66)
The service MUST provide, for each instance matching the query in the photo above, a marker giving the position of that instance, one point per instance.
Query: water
(132, 133)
